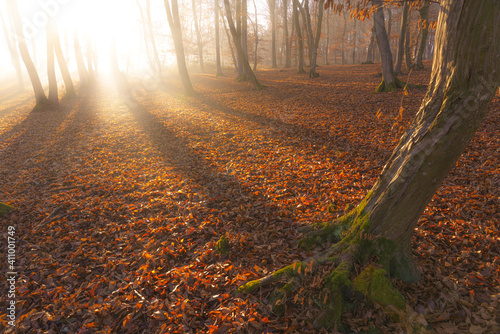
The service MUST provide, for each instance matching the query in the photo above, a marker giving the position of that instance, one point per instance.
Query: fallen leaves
(119, 210)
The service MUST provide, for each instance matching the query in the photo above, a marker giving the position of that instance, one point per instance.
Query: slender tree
(256, 32)
(40, 98)
(465, 77)
(80, 64)
(51, 69)
(408, 60)
(199, 41)
(299, 36)
(288, 46)
(235, 61)
(239, 49)
(370, 54)
(63, 67)
(176, 31)
(217, 39)
(14, 56)
(402, 35)
(424, 32)
(272, 14)
(312, 44)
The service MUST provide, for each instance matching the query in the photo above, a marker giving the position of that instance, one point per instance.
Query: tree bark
(402, 34)
(40, 98)
(408, 59)
(312, 44)
(175, 28)
(239, 48)
(424, 32)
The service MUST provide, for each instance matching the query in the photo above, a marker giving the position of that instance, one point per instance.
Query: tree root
(384, 87)
(5, 209)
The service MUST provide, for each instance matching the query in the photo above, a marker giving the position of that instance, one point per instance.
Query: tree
(312, 41)
(175, 29)
(51, 71)
(402, 35)
(424, 32)
(370, 54)
(239, 47)
(14, 56)
(288, 46)
(272, 14)
(217, 39)
(378, 232)
(40, 98)
(389, 79)
(198, 37)
(63, 67)
(299, 36)
(80, 64)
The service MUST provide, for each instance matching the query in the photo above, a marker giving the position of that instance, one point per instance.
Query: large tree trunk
(402, 35)
(40, 98)
(465, 76)
(389, 80)
(217, 39)
(239, 48)
(14, 56)
(312, 44)
(424, 32)
(299, 36)
(175, 28)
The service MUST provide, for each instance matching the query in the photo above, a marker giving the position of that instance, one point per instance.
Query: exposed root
(389, 87)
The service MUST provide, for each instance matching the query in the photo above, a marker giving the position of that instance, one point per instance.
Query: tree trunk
(198, 37)
(175, 29)
(153, 41)
(408, 60)
(256, 30)
(371, 47)
(217, 38)
(465, 77)
(14, 56)
(389, 80)
(299, 36)
(272, 13)
(145, 34)
(354, 41)
(80, 64)
(63, 67)
(402, 35)
(288, 46)
(235, 61)
(424, 31)
(40, 98)
(327, 44)
(51, 69)
(343, 38)
(239, 48)
(312, 44)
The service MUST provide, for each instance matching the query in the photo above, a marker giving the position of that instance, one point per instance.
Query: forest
(236, 166)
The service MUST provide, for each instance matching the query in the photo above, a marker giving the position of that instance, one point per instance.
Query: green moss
(375, 285)
(5, 208)
(289, 271)
(249, 287)
(222, 246)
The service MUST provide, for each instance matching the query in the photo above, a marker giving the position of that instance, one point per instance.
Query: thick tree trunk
(312, 44)
(424, 32)
(402, 35)
(40, 97)
(299, 36)
(217, 39)
(175, 28)
(239, 48)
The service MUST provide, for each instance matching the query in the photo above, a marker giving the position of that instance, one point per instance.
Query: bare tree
(14, 56)
(424, 32)
(402, 35)
(217, 38)
(198, 37)
(299, 36)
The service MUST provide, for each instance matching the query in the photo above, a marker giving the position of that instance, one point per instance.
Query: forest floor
(119, 209)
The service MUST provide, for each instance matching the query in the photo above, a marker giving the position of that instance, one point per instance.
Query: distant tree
(80, 64)
(299, 36)
(199, 41)
(424, 32)
(14, 56)
(40, 98)
(377, 234)
(272, 14)
(288, 46)
(402, 35)
(176, 31)
(370, 54)
(239, 49)
(63, 67)
(217, 39)
(51, 70)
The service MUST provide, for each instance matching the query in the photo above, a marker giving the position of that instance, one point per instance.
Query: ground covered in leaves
(119, 209)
